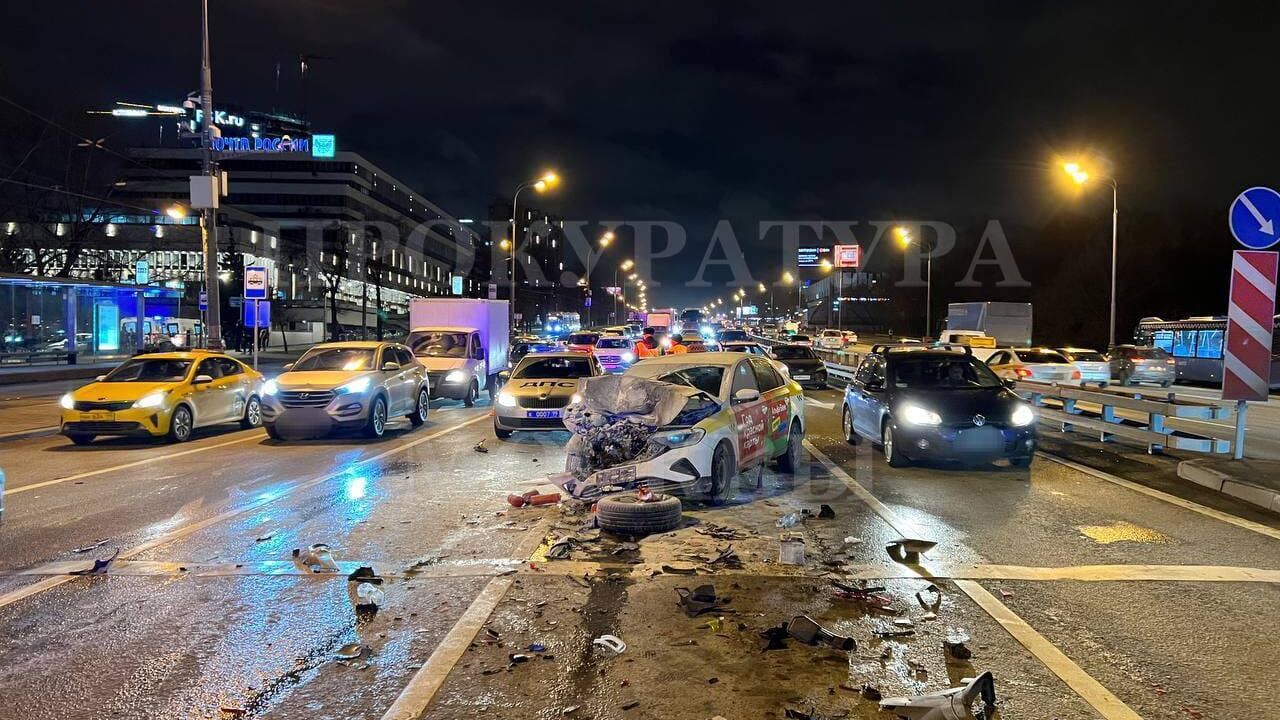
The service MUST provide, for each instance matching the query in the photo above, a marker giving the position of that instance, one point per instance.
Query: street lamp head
(826, 265)
(506, 243)
(903, 235)
(540, 186)
(1077, 174)
(627, 265)
(760, 288)
(176, 212)
(550, 178)
(788, 278)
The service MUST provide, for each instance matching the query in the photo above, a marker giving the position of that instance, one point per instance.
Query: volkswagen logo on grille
(979, 420)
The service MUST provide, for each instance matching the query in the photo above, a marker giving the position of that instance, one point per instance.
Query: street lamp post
(208, 217)
(618, 287)
(591, 257)
(542, 184)
(904, 237)
(1079, 176)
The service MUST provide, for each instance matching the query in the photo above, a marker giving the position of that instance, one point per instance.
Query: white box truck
(1009, 323)
(463, 343)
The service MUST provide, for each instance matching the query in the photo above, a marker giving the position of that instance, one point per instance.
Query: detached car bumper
(674, 471)
(152, 422)
(965, 444)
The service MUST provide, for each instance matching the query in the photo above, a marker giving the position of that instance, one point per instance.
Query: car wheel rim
(182, 424)
(255, 412)
(718, 479)
(847, 425)
(379, 417)
(422, 406)
(888, 443)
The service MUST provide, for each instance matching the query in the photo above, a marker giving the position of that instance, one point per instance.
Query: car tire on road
(1021, 462)
(376, 425)
(627, 515)
(789, 460)
(492, 386)
(724, 468)
(80, 438)
(421, 408)
(469, 399)
(181, 425)
(846, 425)
(252, 413)
(892, 454)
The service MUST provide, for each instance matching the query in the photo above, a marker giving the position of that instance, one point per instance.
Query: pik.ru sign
(261, 144)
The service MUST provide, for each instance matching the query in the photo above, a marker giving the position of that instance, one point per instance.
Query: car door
(236, 384)
(478, 365)
(749, 421)
(211, 400)
(856, 395)
(777, 406)
(392, 380)
(410, 378)
(875, 401)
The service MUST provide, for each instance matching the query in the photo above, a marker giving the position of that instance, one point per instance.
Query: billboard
(848, 256)
(812, 256)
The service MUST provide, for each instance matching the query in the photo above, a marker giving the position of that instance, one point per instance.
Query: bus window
(1184, 343)
(1209, 344)
(1163, 339)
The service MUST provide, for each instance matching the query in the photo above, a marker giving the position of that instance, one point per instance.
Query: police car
(534, 395)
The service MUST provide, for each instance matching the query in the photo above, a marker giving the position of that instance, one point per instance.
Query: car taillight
(1170, 361)
(1022, 372)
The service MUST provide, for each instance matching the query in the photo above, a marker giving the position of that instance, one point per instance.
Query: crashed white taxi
(535, 393)
(702, 418)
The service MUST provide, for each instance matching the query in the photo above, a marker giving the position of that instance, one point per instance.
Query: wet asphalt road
(210, 618)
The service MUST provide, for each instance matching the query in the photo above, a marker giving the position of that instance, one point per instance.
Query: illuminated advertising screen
(812, 256)
(106, 331)
(848, 256)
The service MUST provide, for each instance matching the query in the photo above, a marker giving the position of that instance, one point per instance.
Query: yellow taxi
(165, 395)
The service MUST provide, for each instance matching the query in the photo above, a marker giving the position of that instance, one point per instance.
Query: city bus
(1196, 345)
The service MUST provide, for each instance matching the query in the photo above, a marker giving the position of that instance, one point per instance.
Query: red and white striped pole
(1250, 326)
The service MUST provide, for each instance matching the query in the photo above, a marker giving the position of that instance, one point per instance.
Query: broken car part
(908, 550)
(808, 631)
(951, 704)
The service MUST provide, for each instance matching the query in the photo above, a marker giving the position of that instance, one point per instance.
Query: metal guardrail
(1158, 420)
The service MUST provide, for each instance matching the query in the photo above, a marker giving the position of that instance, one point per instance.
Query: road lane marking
(265, 499)
(1080, 682)
(818, 403)
(497, 567)
(135, 463)
(1166, 497)
(413, 700)
(32, 431)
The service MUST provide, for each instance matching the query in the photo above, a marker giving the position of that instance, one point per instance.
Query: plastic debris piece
(612, 643)
(934, 603)
(699, 600)
(826, 512)
(893, 633)
(957, 650)
(517, 658)
(951, 704)
(871, 692)
(715, 624)
(631, 705)
(791, 550)
(317, 558)
(369, 596)
(570, 710)
(851, 540)
(808, 631)
(775, 638)
(99, 566)
(908, 550)
(479, 447)
(265, 536)
(1006, 593)
(789, 520)
(94, 546)
(537, 648)
(350, 651)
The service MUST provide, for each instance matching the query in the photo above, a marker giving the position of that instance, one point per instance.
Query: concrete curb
(1226, 484)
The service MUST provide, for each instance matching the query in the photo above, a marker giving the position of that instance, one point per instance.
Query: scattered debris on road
(951, 704)
(808, 631)
(317, 558)
(908, 550)
(99, 566)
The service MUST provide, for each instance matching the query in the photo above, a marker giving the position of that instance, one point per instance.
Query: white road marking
(808, 400)
(266, 499)
(423, 686)
(1089, 689)
(1166, 497)
(32, 431)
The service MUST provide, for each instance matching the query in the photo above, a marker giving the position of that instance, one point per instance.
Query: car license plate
(802, 377)
(544, 414)
(615, 475)
(98, 416)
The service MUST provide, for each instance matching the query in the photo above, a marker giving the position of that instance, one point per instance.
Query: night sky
(698, 111)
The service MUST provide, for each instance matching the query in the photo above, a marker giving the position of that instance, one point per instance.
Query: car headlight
(575, 399)
(455, 376)
(356, 386)
(1023, 416)
(916, 415)
(680, 438)
(628, 357)
(155, 399)
(67, 402)
(506, 399)
(270, 388)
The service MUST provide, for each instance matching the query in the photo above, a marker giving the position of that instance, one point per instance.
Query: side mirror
(202, 380)
(390, 366)
(1011, 384)
(287, 367)
(874, 385)
(746, 395)
(100, 378)
(505, 375)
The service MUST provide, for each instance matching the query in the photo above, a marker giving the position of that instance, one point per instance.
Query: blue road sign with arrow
(1253, 217)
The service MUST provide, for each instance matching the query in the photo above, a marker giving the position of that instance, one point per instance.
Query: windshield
(150, 371)
(1087, 356)
(731, 335)
(799, 338)
(792, 352)
(553, 367)
(439, 344)
(706, 378)
(348, 359)
(583, 339)
(941, 373)
(613, 343)
(1039, 356)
